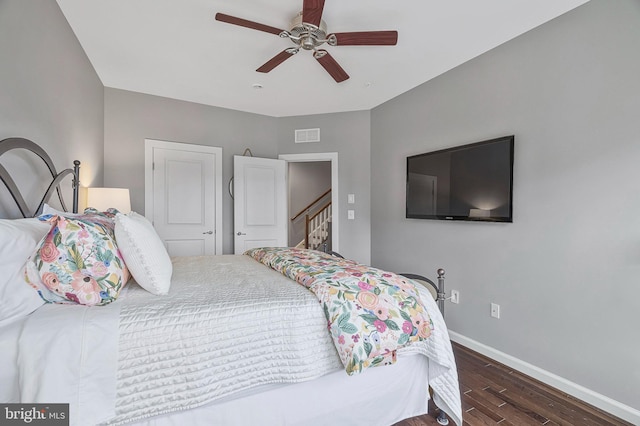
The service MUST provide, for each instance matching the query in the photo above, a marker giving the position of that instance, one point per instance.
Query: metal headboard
(21, 143)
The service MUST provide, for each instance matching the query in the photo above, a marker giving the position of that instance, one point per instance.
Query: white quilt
(228, 324)
(239, 324)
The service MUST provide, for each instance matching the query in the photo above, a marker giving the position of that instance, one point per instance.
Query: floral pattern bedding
(78, 261)
(370, 313)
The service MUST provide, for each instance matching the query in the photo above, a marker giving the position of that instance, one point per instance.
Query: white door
(184, 197)
(259, 203)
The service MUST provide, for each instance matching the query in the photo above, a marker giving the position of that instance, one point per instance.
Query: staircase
(317, 224)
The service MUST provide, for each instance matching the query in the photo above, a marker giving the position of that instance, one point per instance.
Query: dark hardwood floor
(493, 393)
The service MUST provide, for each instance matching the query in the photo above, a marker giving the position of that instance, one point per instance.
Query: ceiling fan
(308, 31)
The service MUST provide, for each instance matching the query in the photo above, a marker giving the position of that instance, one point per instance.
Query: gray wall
(349, 135)
(50, 94)
(566, 271)
(131, 117)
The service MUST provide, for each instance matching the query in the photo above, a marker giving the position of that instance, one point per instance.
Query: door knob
(208, 232)
(240, 233)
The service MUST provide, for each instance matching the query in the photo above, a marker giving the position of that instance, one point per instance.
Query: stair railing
(317, 227)
(310, 205)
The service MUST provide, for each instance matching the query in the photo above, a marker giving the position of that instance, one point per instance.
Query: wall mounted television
(471, 182)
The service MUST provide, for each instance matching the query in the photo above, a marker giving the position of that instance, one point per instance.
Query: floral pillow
(78, 261)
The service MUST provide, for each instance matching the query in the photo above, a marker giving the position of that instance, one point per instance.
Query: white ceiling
(176, 49)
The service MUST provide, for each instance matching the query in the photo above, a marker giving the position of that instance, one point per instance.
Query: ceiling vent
(307, 135)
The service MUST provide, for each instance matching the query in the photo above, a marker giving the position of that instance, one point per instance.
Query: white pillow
(18, 240)
(47, 209)
(143, 252)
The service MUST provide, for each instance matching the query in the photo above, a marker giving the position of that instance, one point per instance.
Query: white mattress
(207, 344)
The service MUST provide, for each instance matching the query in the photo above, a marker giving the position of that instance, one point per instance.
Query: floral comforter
(370, 313)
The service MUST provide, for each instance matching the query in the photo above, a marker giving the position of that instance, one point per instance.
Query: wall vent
(307, 135)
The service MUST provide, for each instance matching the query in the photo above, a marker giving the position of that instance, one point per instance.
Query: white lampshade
(102, 199)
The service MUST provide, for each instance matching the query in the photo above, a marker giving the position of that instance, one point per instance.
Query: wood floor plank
(486, 398)
(494, 394)
(562, 405)
(481, 405)
(553, 409)
(477, 418)
(517, 407)
(548, 402)
(478, 383)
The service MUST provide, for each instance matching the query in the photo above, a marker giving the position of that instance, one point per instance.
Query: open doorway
(309, 195)
(312, 185)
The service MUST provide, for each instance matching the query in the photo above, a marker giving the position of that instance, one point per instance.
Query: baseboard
(587, 395)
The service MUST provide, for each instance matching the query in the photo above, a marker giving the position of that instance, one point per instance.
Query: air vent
(307, 135)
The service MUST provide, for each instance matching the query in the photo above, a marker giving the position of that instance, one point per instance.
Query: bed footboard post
(442, 417)
(441, 294)
(76, 185)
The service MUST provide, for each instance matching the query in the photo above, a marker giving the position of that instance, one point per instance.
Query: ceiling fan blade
(312, 11)
(330, 64)
(248, 24)
(275, 61)
(367, 38)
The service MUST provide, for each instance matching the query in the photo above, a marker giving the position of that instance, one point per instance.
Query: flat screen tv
(471, 182)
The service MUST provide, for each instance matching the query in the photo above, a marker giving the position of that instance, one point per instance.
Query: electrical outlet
(495, 310)
(351, 214)
(455, 296)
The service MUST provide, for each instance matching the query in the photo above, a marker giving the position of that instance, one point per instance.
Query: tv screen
(470, 182)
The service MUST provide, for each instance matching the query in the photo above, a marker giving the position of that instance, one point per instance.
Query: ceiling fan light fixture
(319, 53)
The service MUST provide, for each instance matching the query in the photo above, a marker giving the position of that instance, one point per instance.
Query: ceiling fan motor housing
(307, 36)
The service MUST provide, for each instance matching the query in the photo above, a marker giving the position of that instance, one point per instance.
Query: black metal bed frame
(10, 144)
(440, 299)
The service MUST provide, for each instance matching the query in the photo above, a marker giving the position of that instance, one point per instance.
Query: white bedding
(254, 327)
(201, 343)
(67, 354)
(9, 385)
(333, 399)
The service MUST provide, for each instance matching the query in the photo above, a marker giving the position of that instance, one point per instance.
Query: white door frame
(149, 145)
(335, 210)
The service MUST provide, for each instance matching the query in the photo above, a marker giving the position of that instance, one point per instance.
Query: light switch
(351, 214)
(351, 198)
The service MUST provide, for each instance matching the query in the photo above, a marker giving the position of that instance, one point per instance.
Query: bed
(225, 340)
